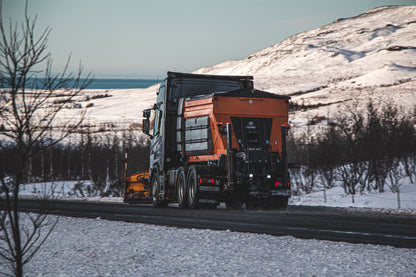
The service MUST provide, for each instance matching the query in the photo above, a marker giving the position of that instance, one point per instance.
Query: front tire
(155, 192)
(192, 183)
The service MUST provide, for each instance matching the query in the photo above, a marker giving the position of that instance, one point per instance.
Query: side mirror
(146, 113)
(146, 126)
(146, 122)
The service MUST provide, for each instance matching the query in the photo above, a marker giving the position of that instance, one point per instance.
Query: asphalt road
(301, 222)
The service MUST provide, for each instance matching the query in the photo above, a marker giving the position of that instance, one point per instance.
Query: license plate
(209, 188)
(280, 192)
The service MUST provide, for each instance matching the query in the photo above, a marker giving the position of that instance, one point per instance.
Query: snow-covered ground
(96, 247)
(120, 110)
(336, 196)
(59, 189)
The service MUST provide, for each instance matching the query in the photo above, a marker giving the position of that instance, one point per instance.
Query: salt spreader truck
(214, 139)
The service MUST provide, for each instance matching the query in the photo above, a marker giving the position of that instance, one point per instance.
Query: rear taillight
(280, 184)
(206, 181)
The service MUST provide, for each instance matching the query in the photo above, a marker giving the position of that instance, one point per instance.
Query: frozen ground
(336, 196)
(95, 247)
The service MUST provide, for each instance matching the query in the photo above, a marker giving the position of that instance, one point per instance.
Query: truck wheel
(192, 183)
(181, 188)
(154, 192)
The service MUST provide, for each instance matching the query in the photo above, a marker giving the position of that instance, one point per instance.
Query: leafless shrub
(394, 177)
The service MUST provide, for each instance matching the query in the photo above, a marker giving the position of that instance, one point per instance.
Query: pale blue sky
(139, 39)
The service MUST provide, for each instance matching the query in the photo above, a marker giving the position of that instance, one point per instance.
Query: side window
(158, 118)
(161, 93)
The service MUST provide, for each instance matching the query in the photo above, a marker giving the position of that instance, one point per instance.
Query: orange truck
(215, 139)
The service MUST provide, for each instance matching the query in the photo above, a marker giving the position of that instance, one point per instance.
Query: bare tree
(351, 175)
(408, 129)
(409, 164)
(29, 112)
(296, 179)
(354, 166)
(394, 177)
(327, 157)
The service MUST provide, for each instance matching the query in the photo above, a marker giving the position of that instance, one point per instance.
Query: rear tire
(181, 188)
(192, 183)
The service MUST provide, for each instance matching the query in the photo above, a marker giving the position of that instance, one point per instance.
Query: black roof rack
(225, 77)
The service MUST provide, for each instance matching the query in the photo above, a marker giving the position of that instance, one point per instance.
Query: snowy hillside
(328, 70)
(339, 65)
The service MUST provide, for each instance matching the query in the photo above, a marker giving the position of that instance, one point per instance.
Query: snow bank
(88, 247)
(59, 189)
(336, 197)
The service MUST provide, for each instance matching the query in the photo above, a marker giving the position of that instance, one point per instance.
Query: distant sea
(105, 83)
(121, 83)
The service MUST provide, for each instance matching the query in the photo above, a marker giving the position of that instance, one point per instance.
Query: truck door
(156, 145)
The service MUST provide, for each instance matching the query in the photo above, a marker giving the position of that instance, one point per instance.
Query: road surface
(333, 224)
